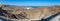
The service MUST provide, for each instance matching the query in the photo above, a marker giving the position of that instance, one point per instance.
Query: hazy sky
(30, 2)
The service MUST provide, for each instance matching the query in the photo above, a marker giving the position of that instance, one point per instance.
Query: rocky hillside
(12, 12)
(17, 12)
(40, 13)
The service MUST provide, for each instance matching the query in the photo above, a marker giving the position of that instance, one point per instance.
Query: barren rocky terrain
(17, 12)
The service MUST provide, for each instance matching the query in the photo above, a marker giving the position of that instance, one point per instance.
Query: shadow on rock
(2, 11)
(49, 18)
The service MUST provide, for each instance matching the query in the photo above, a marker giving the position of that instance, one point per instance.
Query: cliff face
(15, 12)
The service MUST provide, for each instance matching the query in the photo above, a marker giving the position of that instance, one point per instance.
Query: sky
(30, 2)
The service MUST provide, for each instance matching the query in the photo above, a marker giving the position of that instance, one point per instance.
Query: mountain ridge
(16, 12)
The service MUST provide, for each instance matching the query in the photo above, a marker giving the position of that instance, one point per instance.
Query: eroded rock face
(13, 12)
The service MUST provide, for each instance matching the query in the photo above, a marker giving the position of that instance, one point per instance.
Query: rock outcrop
(12, 12)
(17, 12)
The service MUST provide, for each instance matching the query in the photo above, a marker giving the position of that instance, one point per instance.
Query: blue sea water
(34, 6)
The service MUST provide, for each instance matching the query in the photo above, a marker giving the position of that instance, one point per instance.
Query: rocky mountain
(13, 12)
(17, 12)
(40, 13)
